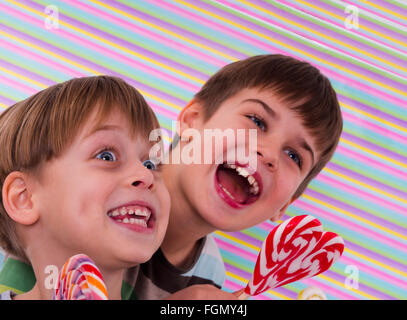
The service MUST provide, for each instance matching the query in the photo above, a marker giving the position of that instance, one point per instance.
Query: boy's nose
(143, 178)
(269, 160)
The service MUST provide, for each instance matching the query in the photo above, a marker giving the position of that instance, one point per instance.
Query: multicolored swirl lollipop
(297, 249)
(80, 279)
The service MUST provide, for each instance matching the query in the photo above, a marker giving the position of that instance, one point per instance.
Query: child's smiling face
(102, 197)
(285, 153)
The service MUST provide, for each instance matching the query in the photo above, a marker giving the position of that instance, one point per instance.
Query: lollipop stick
(243, 296)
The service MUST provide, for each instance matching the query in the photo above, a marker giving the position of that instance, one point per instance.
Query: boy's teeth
(140, 222)
(141, 215)
(254, 189)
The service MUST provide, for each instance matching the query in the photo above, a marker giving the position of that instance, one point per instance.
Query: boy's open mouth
(135, 217)
(237, 184)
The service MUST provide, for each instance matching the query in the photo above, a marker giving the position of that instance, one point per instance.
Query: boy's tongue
(235, 185)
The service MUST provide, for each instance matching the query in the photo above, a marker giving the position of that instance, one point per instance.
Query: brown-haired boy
(298, 120)
(295, 112)
(76, 178)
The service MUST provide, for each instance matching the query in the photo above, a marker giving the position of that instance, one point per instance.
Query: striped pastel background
(167, 49)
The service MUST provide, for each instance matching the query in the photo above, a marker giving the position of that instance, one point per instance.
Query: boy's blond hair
(42, 126)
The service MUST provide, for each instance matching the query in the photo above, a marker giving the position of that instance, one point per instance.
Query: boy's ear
(17, 199)
(189, 116)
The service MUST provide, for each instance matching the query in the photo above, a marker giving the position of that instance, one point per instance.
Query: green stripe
(134, 38)
(350, 235)
(359, 203)
(342, 6)
(369, 100)
(338, 30)
(193, 27)
(99, 58)
(399, 4)
(312, 45)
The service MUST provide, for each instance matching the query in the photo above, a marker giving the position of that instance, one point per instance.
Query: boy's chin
(133, 259)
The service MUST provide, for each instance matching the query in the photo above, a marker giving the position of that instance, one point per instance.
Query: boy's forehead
(102, 121)
(114, 122)
(268, 98)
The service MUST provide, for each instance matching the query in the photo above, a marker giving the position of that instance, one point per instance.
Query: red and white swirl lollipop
(297, 249)
(80, 279)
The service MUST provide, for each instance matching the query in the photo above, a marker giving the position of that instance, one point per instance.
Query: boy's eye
(106, 156)
(150, 165)
(258, 122)
(295, 157)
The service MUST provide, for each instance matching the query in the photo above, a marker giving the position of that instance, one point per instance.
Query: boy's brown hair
(298, 83)
(42, 126)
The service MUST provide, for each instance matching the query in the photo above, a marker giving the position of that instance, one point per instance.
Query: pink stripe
(371, 162)
(307, 35)
(341, 26)
(236, 250)
(233, 287)
(162, 111)
(144, 32)
(106, 52)
(354, 84)
(362, 194)
(17, 85)
(243, 37)
(348, 224)
(374, 127)
(266, 225)
(329, 290)
(375, 272)
(377, 13)
(48, 62)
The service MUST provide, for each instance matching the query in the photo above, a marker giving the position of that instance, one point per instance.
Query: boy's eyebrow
(265, 106)
(303, 144)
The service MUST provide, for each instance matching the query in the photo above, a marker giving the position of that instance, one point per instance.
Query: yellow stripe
(91, 71)
(388, 123)
(244, 281)
(258, 249)
(227, 236)
(360, 219)
(21, 77)
(364, 294)
(404, 274)
(360, 25)
(50, 53)
(401, 164)
(384, 9)
(259, 34)
(172, 105)
(378, 263)
(364, 53)
(134, 53)
(195, 43)
(3, 106)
